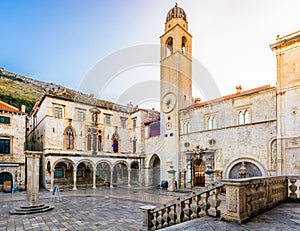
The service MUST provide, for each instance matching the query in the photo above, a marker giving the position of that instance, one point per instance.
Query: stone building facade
(12, 139)
(87, 142)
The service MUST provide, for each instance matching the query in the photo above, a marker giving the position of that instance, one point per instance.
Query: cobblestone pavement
(118, 209)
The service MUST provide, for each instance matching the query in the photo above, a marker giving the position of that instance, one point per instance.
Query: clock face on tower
(168, 102)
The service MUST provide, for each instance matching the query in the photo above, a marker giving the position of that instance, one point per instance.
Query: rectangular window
(4, 120)
(134, 123)
(58, 112)
(80, 116)
(4, 146)
(123, 123)
(58, 173)
(107, 119)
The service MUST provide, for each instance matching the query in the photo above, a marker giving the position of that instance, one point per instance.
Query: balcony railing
(33, 146)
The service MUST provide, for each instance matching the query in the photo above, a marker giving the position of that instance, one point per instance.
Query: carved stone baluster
(214, 202)
(178, 211)
(194, 206)
(154, 220)
(293, 188)
(159, 219)
(172, 215)
(166, 217)
(204, 204)
(186, 210)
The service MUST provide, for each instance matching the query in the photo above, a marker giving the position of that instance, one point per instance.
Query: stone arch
(85, 161)
(60, 160)
(63, 172)
(7, 176)
(254, 168)
(120, 172)
(154, 170)
(103, 172)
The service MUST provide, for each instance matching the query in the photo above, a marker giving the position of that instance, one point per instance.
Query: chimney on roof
(23, 108)
(197, 100)
(238, 89)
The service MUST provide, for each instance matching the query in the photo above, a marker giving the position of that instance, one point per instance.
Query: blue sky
(60, 41)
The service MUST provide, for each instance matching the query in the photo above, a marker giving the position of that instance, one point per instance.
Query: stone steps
(24, 210)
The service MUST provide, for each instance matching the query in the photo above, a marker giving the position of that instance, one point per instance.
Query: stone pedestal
(171, 180)
(33, 186)
(209, 176)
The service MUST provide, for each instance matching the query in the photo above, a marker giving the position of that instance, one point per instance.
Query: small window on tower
(169, 45)
(183, 45)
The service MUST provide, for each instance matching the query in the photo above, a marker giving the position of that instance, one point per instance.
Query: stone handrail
(197, 205)
(246, 198)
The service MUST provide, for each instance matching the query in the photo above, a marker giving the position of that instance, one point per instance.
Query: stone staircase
(24, 210)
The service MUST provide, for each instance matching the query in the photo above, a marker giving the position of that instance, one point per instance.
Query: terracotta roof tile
(6, 107)
(231, 96)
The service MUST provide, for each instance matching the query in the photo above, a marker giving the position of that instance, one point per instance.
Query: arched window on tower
(69, 136)
(183, 45)
(169, 46)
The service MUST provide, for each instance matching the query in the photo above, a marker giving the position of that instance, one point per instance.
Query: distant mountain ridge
(16, 89)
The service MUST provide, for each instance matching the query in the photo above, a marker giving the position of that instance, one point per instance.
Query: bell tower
(175, 84)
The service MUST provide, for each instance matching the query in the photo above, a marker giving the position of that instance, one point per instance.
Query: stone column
(74, 178)
(94, 178)
(33, 173)
(129, 176)
(52, 180)
(111, 177)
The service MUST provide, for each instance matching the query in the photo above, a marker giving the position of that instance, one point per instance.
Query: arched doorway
(103, 174)
(154, 171)
(199, 173)
(6, 181)
(251, 169)
(120, 174)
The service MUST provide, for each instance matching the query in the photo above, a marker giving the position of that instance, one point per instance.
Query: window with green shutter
(4, 120)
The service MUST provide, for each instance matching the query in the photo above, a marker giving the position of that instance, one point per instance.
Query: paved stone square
(118, 209)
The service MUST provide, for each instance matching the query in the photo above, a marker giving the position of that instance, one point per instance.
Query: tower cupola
(176, 12)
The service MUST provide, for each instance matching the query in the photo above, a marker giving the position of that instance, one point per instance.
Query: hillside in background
(17, 90)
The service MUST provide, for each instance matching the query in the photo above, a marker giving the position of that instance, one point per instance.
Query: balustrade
(183, 209)
(245, 198)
